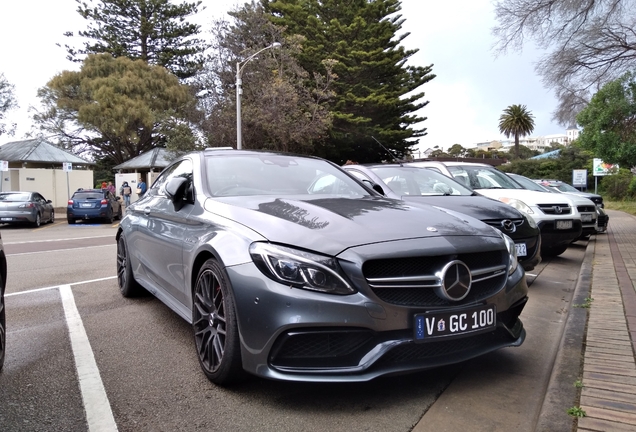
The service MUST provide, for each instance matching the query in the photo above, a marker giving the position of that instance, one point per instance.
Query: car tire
(128, 286)
(3, 330)
(119, 215)
(554, 250)
(214, 324)
(111, 219)
(38, 220)
(52, 218)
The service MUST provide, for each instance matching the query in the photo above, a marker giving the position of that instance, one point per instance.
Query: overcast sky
(466, 98)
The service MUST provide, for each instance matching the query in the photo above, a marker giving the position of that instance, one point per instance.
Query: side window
(179, 169)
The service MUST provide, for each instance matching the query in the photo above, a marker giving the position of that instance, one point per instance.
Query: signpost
(579, 178)
(67, 167)
(600, 168)
(4, 167)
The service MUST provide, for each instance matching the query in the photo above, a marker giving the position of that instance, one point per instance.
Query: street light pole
(239, 91)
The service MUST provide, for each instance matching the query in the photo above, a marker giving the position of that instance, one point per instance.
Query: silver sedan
(25, 207)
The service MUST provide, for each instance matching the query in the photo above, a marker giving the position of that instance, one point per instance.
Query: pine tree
(374, 86)
(155, 31)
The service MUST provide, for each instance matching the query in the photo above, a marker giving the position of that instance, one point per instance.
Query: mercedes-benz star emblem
(508, 226)
(455, 281)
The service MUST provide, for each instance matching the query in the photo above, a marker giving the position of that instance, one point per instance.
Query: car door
(43, 207)
(160, 234)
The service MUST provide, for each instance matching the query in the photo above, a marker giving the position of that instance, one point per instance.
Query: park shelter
(37, 165)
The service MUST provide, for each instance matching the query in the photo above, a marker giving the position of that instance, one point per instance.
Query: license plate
(586, 218)
(434, 325)
(521, 249)
(86, 205)
(6, 219)
(564, 224)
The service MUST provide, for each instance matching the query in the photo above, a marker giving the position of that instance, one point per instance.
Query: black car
(422, 185)
(90, 204)
(289, 268)
(3, 318)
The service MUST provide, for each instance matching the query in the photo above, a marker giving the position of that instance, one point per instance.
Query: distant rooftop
(38, 150)
(155, 158)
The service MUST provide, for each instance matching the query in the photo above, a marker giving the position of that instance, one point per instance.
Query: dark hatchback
(289, 268)
(422, 185)
(90, 204)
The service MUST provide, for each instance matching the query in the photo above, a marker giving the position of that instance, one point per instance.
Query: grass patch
(576, 412)
(626, 206)
(578, 384)
(586, 305)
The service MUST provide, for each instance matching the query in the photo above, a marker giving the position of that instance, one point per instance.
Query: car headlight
(512, 252)
(519, 205)
(531, 221)
(299, 268)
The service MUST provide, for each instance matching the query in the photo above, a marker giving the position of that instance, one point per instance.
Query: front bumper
(552, 237)
(298, 335)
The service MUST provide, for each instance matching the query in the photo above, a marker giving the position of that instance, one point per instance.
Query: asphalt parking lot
(81, 357)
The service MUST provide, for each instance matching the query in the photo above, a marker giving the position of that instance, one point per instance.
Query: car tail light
(104, 201)
(26, 205)
(70, 202)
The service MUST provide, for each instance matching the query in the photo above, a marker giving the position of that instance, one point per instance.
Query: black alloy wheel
(215, 328)
(128, 286)
(52, 218)
(3, 328)
(38, 220)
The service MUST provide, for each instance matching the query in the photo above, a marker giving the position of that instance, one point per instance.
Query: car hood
(331, 225)
(476, 206)
(527, 196)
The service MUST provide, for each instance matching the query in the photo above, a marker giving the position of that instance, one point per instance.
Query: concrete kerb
(562, 393)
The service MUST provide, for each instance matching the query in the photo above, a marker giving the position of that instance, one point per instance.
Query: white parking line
(57, 286)
(59, 250)
(98, 412)
(62, 239)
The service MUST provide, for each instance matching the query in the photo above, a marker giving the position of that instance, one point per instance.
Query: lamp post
(239, 91)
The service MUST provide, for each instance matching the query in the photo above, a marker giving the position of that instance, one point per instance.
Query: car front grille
(499, 224)
(412, 281)
(553, 209)
(586, 209)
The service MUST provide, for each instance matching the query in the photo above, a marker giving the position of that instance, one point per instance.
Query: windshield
(482, 177)
(564, 187)
(272, 174)
(15, 196)
(88, 196)
(419, 182)
(530, 184)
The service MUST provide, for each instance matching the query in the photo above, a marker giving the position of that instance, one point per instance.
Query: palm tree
(518, 121)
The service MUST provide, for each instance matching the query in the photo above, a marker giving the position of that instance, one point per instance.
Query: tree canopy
(7, 102)
(155, 31)
(588, 43)
(113, 108)
(282, 104)
(376, 92)
(609, 122)
(517, 121)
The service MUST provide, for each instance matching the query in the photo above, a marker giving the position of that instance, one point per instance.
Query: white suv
(555, 214)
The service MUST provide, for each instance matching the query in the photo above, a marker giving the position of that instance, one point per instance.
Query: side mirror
(175, 190)
(376, 187)
(49, 201)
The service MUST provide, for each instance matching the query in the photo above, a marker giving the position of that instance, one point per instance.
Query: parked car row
(288, 267)
(562, 218)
